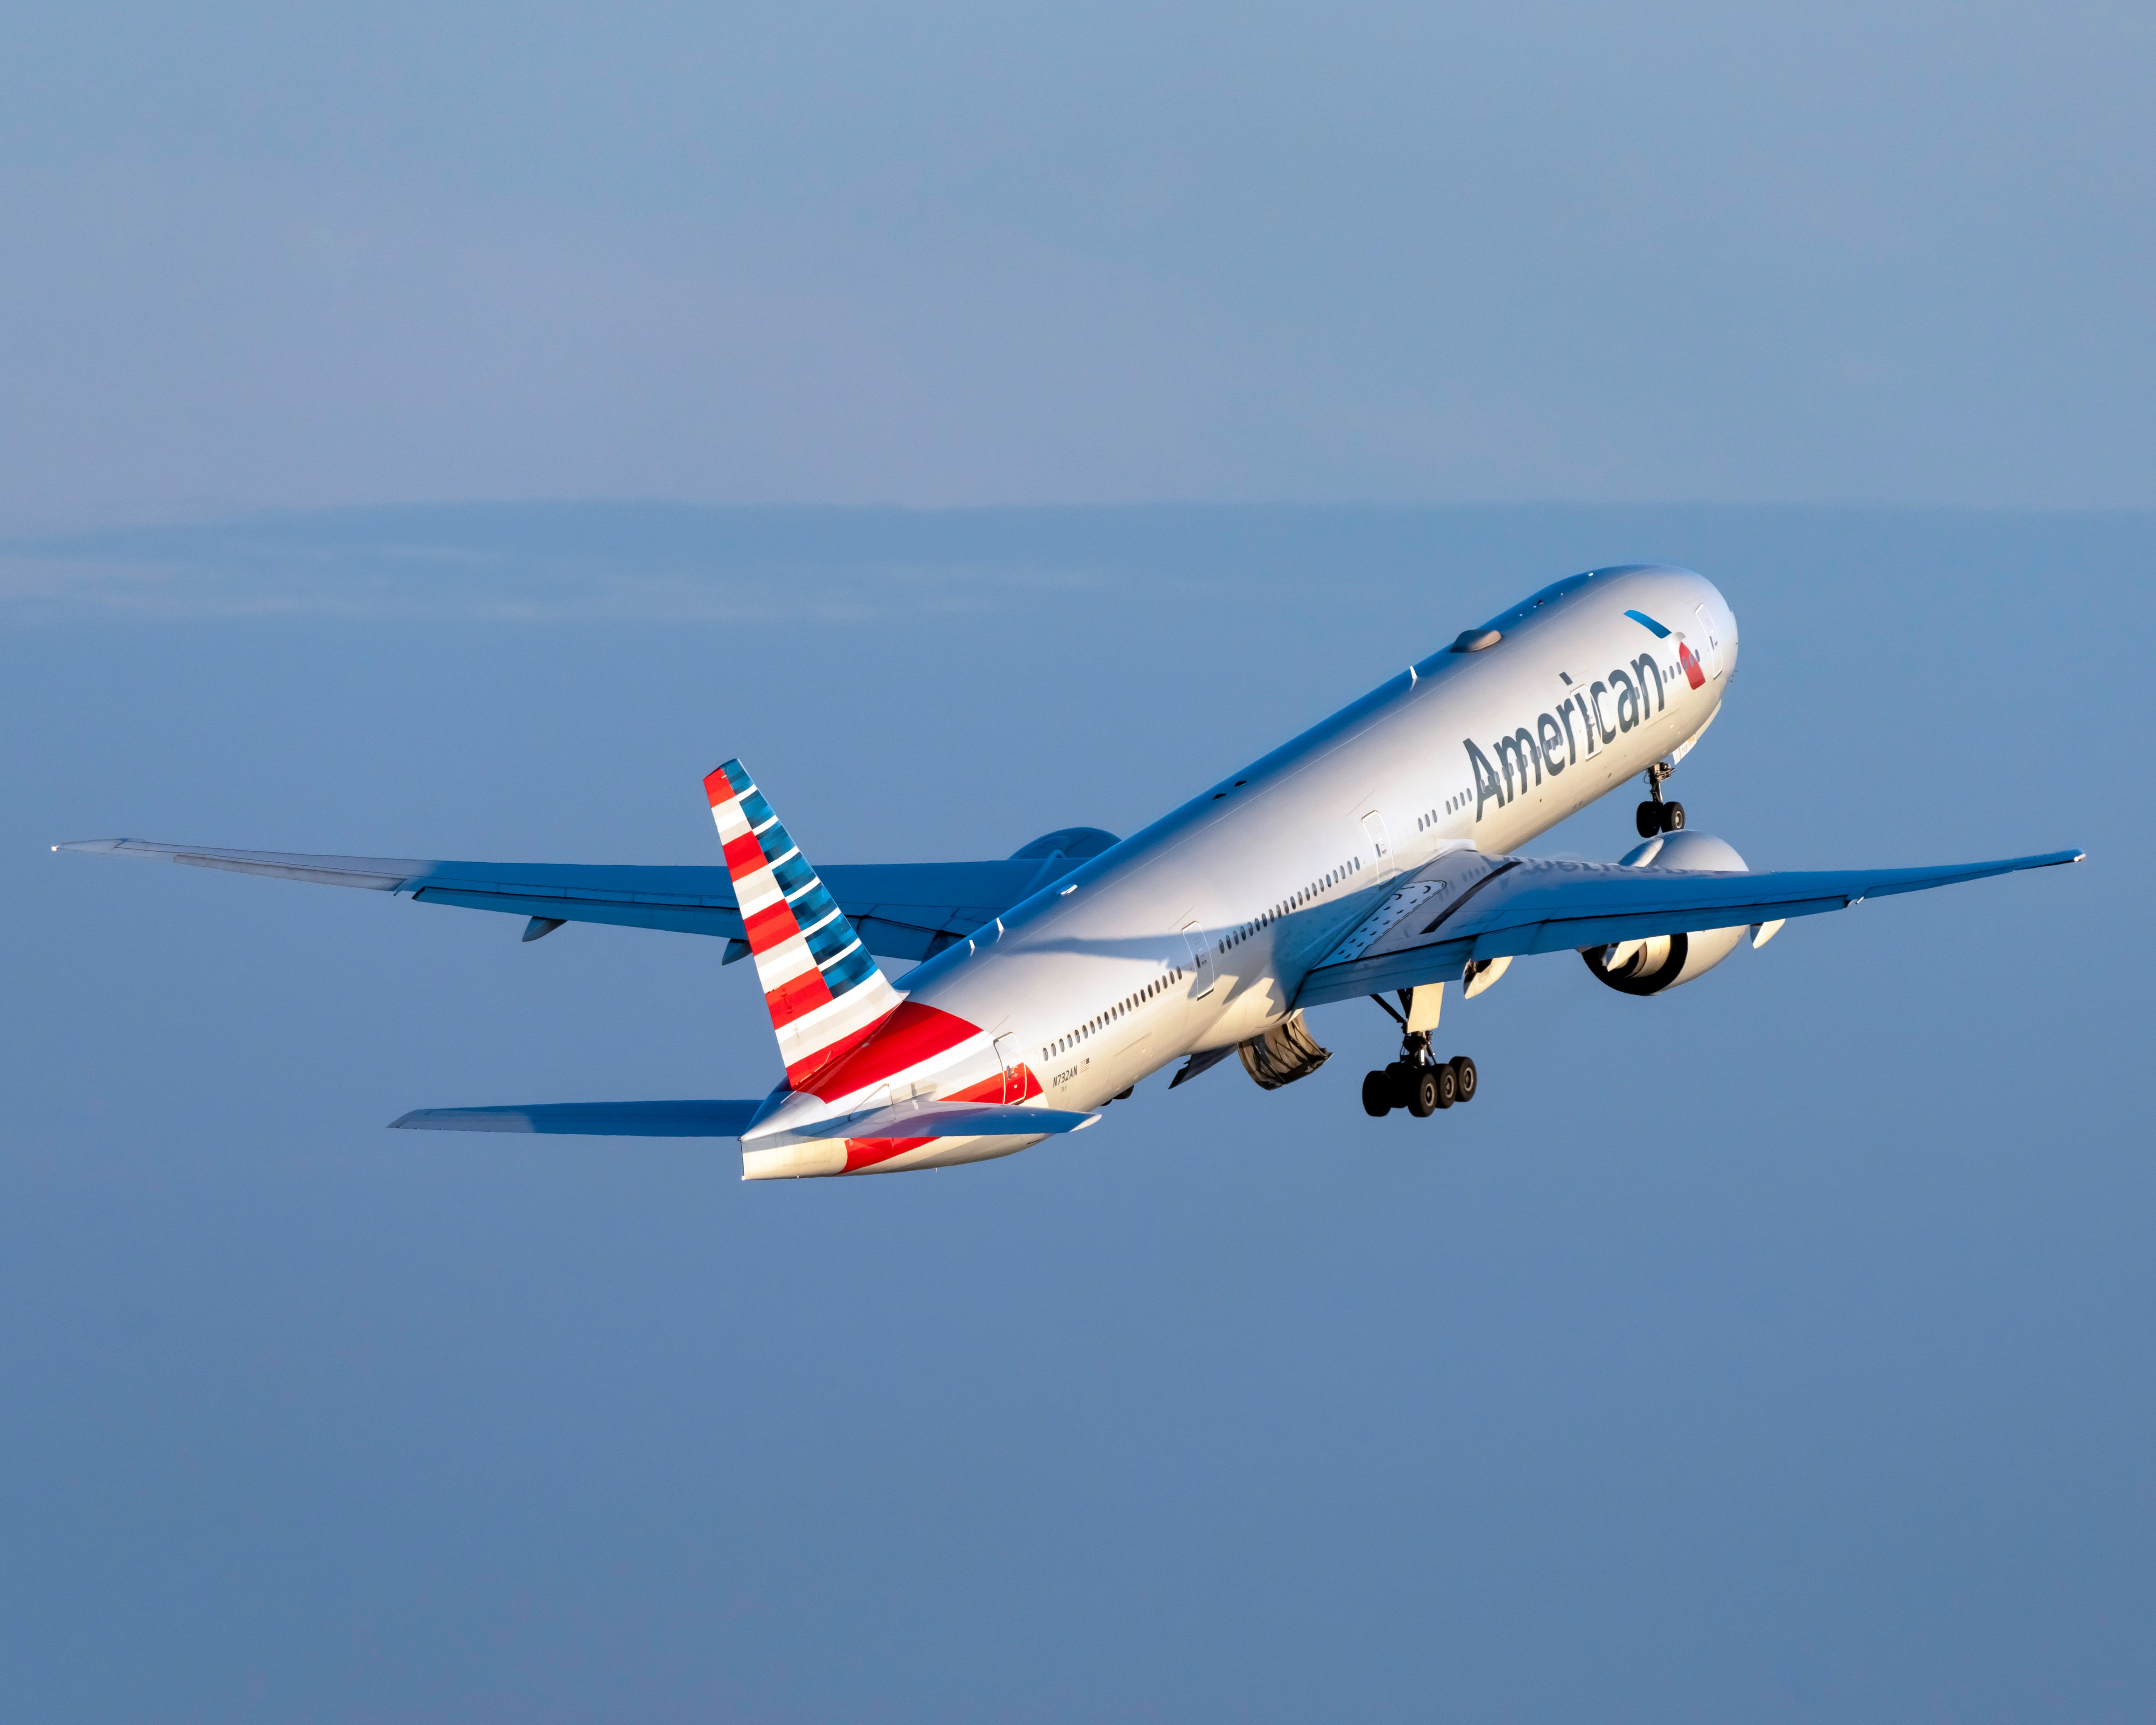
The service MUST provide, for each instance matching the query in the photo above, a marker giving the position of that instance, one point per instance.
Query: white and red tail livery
(825, 992)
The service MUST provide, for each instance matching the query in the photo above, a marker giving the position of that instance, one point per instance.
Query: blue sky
(954, 254)
(449, 431)
(1774, 1349)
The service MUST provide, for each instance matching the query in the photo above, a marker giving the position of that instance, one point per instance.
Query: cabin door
(1380, 843)
(1709, 649)
(1007, 1057)
(1201, 959)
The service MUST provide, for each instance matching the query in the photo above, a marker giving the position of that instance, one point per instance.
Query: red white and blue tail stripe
(824, 991)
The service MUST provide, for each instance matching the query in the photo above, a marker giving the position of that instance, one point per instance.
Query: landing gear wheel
(1463, 1078)
(1448, 1084)
(1401, 1076)
(1422, 1094)
(1648, 820)
(1377, 1094)
(1672, 816)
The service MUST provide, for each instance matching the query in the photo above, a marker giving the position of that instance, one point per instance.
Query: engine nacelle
(1285, 1052)
(1074, 843)
(1662, 961)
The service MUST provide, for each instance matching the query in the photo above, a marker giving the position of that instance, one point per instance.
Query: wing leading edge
(901, 909)
(1466, 907)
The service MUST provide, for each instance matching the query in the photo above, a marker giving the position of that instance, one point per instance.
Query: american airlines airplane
(1376, 854)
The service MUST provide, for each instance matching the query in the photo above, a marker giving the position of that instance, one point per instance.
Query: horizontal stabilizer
(946, 1120)
(610, 1119)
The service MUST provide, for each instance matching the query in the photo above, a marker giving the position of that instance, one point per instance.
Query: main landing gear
(1654, 815)
(1418, 1081)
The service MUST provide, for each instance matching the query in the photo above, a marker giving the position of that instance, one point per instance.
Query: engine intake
(1658, 962)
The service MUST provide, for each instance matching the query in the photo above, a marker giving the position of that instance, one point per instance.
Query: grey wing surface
(900, 909)
(1466, 907)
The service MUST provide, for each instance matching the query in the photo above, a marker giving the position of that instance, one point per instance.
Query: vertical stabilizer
(824, 992)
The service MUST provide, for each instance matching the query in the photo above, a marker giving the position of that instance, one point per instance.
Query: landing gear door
(1380, 843)
(1200, 944)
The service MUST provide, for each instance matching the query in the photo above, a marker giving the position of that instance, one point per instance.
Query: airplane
(1376, 854)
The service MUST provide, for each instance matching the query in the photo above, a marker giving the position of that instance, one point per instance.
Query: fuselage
(1195, 933)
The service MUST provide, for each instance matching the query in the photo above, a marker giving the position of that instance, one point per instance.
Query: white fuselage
(1196, 932)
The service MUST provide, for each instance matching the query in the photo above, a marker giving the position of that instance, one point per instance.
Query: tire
(1377, 1094)
(1448, 1084)
(1673, 817)
(1463, 1078)
(1401, 1077)
(1422, 1094)
(1648, 820)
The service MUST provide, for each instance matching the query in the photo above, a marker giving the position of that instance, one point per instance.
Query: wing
(914, 910)
(901, 909)
(617, 1120)
(1464, 906)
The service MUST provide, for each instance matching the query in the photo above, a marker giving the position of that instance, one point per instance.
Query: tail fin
(826, 993)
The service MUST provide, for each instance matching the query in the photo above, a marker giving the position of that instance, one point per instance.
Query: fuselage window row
(1093, 1026)
(1431, 817)
(1324, 883)
(1302, 895)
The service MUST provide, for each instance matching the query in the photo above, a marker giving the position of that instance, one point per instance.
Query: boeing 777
(1377, 854)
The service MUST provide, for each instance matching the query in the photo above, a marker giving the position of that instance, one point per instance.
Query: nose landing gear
(1418, 1080)
(1654, 815)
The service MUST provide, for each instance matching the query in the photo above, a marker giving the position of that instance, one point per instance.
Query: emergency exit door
(1380, 842)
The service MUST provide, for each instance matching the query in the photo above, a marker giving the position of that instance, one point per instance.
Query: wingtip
(407, 1122)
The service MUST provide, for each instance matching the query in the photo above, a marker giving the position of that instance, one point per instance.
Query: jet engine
(1074, 843)
(1648, 966)
(1285, 1052)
